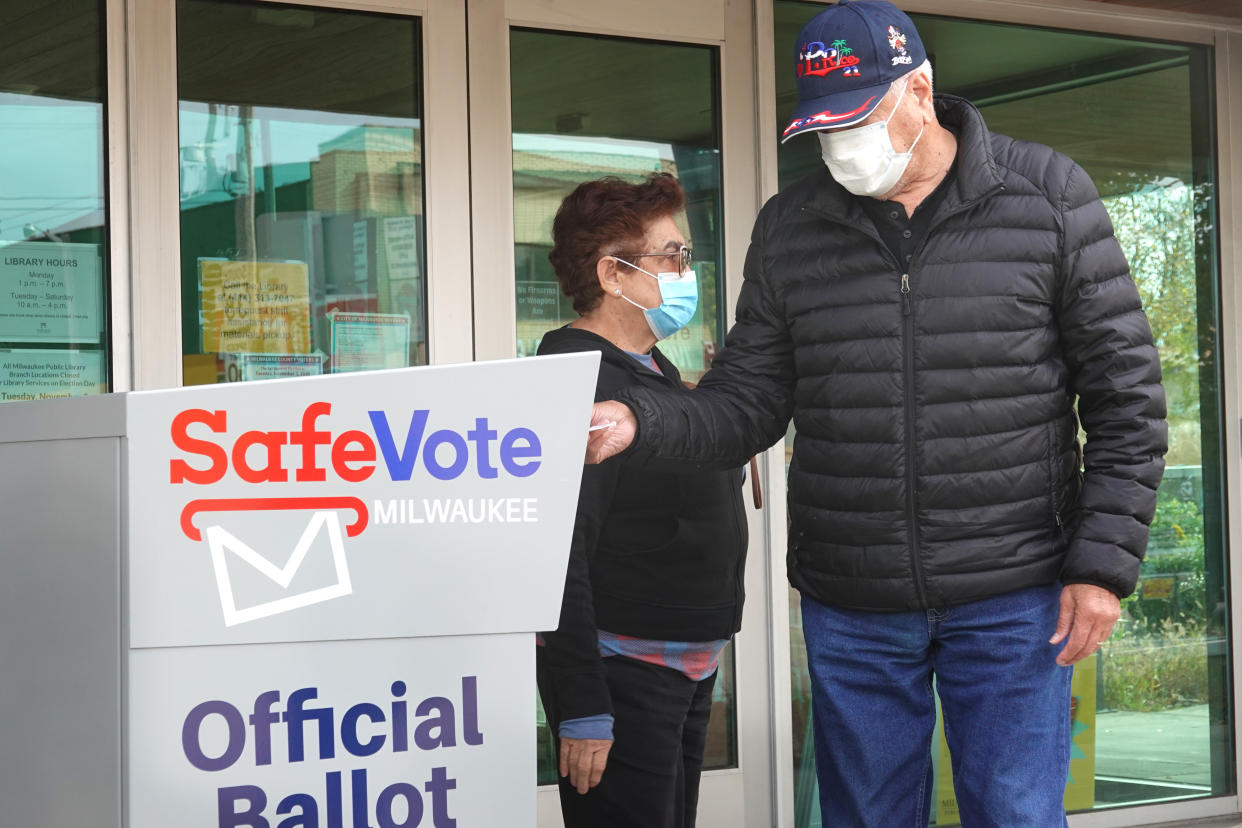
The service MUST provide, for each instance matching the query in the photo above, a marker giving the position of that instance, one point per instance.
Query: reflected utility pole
(243, 204)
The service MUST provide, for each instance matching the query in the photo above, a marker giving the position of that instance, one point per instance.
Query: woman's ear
(609, 276)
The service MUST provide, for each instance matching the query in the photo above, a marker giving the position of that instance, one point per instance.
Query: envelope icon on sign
(229, 550)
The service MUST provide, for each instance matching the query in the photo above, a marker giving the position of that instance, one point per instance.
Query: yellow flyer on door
(254, 306)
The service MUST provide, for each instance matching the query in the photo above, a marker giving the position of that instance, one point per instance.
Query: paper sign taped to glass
(254, 306)
(247, 367)
(367, 341)
(316, 529)
(53, 292)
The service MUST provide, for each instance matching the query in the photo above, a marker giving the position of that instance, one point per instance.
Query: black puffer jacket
(936, 459)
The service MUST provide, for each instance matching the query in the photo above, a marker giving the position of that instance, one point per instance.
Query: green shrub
(1176, 549)
(1178, 525)
(1145, 671)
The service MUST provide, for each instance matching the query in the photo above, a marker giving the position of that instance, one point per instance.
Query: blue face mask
(679, 299)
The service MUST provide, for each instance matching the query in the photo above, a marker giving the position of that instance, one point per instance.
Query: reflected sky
(288, 139)
(51, 167)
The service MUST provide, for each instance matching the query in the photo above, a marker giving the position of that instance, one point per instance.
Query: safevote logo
(320, 453)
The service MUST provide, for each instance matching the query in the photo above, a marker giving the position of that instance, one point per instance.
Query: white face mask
(862, 160)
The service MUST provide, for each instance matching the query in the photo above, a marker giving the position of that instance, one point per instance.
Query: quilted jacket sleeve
(1115, 371)
(743, 404)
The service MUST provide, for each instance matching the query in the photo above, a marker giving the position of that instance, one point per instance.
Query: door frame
(759, 790)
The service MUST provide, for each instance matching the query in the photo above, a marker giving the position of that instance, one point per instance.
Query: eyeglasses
(683, 254)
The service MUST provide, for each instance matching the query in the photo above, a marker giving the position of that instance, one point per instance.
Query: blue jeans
(1006, 708)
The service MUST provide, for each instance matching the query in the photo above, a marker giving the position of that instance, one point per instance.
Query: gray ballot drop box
(284, 604)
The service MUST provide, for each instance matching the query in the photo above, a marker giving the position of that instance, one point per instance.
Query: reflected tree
(1155, 224)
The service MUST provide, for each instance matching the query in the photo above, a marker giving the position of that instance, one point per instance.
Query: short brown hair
(605, 217)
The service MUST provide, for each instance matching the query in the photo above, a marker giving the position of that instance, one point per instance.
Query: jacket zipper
(916, 559)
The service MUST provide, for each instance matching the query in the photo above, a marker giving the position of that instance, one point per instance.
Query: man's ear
(920, 87)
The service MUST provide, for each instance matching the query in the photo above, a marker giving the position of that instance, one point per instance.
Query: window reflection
(301, 192)
(53, 309)
(570, 128)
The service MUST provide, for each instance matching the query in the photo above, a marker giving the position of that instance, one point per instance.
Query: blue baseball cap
(847, 57)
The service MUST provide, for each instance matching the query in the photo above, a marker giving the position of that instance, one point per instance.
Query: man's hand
(583, 761)
(1088, 613)
(605, 442)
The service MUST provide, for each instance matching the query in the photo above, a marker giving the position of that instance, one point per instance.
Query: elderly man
(929, 309)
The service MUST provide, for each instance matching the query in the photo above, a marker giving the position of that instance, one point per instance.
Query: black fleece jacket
(656, 554)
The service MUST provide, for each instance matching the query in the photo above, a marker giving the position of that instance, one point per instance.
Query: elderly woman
(654, 587)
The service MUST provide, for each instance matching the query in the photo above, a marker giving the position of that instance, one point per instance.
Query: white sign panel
(50, 292)
(414, 502)
(434, 732)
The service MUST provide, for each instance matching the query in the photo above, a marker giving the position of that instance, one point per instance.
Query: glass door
(617, 98)
(594, 122)
(291, 211)
(301, 201)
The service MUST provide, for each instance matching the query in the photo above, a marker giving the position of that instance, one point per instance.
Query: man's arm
(741, 406)
(1115, 371)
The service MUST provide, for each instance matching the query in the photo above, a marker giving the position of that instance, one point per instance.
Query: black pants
(660, 728)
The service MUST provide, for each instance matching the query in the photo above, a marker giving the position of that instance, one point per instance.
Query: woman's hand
(583, 761)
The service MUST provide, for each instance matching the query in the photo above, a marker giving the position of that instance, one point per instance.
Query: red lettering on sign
(308, 438)
(181, 471)
(342, 455)
(273, 471)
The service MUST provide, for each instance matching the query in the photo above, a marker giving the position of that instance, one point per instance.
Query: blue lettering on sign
(446, 453)
(520, 444)
(192, 726)
(365, 729)
(243, 806)
(400, 465)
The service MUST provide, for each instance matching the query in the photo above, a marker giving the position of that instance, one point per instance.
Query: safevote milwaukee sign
(331, 581)
(355, 506)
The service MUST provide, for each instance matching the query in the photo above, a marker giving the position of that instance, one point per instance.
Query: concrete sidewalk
(1151, 756)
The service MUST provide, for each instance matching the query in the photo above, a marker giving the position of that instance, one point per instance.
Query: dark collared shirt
(903, 234)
